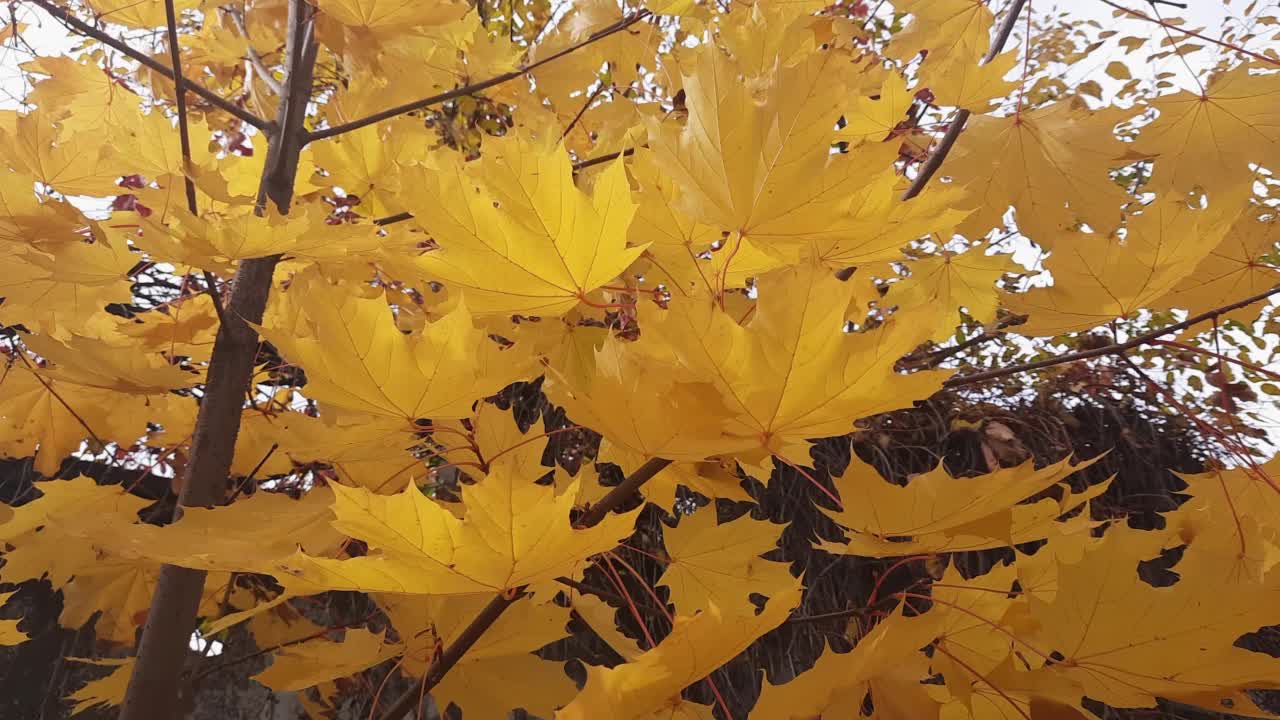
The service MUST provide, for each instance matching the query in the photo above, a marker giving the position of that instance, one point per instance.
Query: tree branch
(184, 141)
(237, 18)
(592, 162)
(377, 117)
(81, 27)
(476, 629)
(939, 154)
(1191, 33)
(622, 492)
(1113, 349)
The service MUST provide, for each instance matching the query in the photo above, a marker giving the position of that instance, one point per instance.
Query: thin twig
(592, 162)
(1192, 33)
(465, 90)
(940, 153)
(83, 28)
(582, 111)
(237, 18)
(184, 140)
(1113, 349)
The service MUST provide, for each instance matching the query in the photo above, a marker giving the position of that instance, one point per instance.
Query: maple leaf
(9, 632)
(137, 15)
(1207, 139)
(505, 650)
(940, 512)
(356, 358)
(1051, 164)
(1236, 268)
(794, 373)
(874, 119)
(1101, 277)
(1126, 642)
(720, 564)
(762, 169)
(953, 281)
(526, 240)
(837, 684)
(63, 286)
(514, 533)
(303, 665)
(645, 415)
(107, 690)
(654, 679)
(387, 14)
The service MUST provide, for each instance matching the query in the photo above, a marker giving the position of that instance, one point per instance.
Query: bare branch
(264, 72)
(184, 140)
(465, 90)
(948, 141)
(1114, 349)
(83, 28)
(1191, 33)
(592, 162)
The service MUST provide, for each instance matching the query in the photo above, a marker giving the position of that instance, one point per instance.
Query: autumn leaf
(943, 513)
(515, 533)
(525, 240)
(811, 378)
(655, 679)
(719, 564)
(358, 359)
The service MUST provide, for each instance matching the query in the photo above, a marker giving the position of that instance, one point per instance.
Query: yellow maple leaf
(654, 679)
(941, 512)
(719, 564)
(107, 690)
(1139, 641)
(760, 167)
(9, 632)
(1050, 164)
(356, 357)
(1100, 277)
(971, 86)
(135, 14)
(1208, 139)
(646, 414)
(391, 15)
(59, 288)
(837, 684)
(515, 533)
(506, 650)
(948, 281)
(1237, 268)
(526, 240)
(300, 666)
(793, 372)
(872, 120)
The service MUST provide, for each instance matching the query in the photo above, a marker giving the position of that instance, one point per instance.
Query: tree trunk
(153, 688)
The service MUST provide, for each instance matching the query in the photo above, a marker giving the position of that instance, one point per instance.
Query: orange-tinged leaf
(303, 665)
(942, 513)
